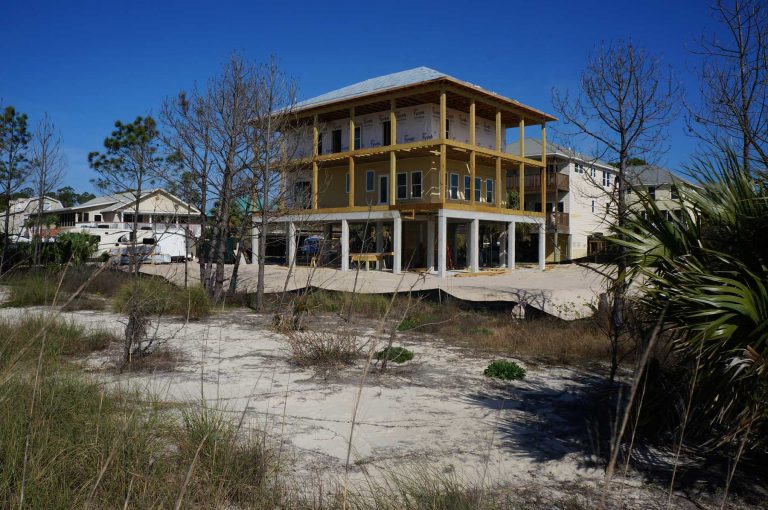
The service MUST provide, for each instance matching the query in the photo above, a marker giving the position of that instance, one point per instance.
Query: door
(383, 189)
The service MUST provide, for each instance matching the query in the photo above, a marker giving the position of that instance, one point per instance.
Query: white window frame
(421, 184)
(490, 191)
(606, 179)
(451, 194)
(593, 207)
(405, 186)
(372, 181)
(578, 168)
(652, 192)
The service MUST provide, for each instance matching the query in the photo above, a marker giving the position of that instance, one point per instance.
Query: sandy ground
(566, 291)
(438, 410)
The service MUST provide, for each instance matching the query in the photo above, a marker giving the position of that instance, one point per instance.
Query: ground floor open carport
(435, 242)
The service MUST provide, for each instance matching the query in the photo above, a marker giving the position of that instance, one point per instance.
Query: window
(97, 217)
(402, 186)
(489, 191)
(319, 143)
(358, 137)
(415, 184)
(579, 168)
(593, 207)
(336, 140)
(346, 183)
(370, 182)
(386, 133)
(673, 192)
(606, 178)
(454, 191)
(467, 187)
(478, 188)
(652, 192)
(447, 128)
(384, 189)
(594, 172)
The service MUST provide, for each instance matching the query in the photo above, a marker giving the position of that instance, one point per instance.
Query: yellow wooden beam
(351, 181)
(472, 174)
(351, 129)
(393, 121)
(315, 136)
(498, 130)
(472, 123)
(392, 178)
(443, 175)
(443, 113)
(544, 170)
(498, 182)
(314, 184)
(521, 187)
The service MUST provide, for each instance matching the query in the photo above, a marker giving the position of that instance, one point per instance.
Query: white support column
(511, 245)
(474, 239)
(344, 245)
(397, 244)
(291, 241)
(542, 245)
(254, 244)
(442, 234)
(430, 244)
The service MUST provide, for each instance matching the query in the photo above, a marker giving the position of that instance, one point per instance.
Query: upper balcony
(532, 183)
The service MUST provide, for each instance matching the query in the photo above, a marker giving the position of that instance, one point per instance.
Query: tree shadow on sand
(575, 419)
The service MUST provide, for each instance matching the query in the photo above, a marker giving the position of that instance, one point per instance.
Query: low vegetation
(395, 354)
(157, 297)
(505, 370)
(323, 349)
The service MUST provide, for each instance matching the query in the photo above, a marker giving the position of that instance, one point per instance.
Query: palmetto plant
(706, 269)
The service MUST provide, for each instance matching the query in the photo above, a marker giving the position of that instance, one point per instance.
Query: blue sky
(89, 63)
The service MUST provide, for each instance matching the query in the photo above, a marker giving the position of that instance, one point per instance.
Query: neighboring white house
(21, 210)
(157, 209)
(578, 198)
(659, 184)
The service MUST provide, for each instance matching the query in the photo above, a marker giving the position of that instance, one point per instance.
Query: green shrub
(407, 323)
(62, 338)
(147, 297)
(506, 370)
(395, 354)
(32, 290)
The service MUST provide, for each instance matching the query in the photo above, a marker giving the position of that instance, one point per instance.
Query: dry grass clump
(323, 349)
(34, 289)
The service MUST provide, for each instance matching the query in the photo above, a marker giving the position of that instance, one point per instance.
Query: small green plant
(395, 354)
(481, 331)
(406, 324)
(506, 370)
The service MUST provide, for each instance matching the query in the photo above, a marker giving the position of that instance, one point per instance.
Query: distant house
(21, 210)
(659, 184)
(578, 191)
(157, 209)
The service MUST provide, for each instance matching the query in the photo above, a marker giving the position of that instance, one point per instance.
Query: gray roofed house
(533, 150)
(652, 175)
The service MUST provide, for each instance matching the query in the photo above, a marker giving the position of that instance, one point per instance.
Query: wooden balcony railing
(557, 220)
(533, 182)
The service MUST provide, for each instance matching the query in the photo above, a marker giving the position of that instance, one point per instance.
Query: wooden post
(472, 173)
(498, 182)
(351, 196)
(392, 122)
(443, 155)
(544, 172)
(522, 165)
(443, 113)
(498, 130)
(472, 122)
(392, 177)
(315, 137)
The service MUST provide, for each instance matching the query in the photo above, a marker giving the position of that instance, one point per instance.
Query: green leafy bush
(506, 370)
(395, 354)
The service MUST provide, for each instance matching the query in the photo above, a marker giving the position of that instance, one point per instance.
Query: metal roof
(398, 80)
